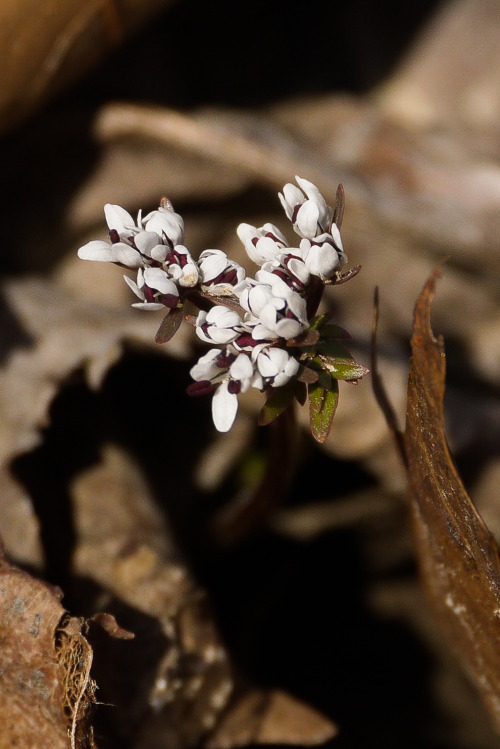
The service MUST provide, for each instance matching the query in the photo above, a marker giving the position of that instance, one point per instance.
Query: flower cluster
(263, 330)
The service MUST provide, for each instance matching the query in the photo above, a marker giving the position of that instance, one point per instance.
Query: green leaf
(317, 322)
(309, 338)
(300, 391)
(334, 331)
(278, 401)
(343, 368)
(307, 375)
(322, 407)
(335, 349)
(169, 325)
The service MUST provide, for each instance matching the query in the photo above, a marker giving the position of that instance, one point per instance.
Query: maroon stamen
(114, 236)
(149, 294)
(225, 359)
(246, 340)
(234, 387)
(169, 300)
(200, 388)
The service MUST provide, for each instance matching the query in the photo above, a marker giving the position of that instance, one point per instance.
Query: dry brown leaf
(457, 554)
(45, 46)
(46, 693)
(270, 718)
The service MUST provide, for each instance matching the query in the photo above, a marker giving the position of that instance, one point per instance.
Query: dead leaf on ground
(56, 42)
(457, 554)
(46, 692)
(270, 718)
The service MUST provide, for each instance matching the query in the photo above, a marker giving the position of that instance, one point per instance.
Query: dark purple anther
(149, 294)
(225, 359)
(246, 340)
(169, 300)
(231, 277)
(114, 236)
(200, 388)
(234, 387)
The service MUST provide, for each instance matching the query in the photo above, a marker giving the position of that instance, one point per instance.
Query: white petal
(159, 252)
(241, 368)
(288, 328)
(258, 297)
(126, 255)
(334, 231)
(166, 222)
(145, 241)
(206, 368)
(322, 261)
(156, 278)
(212, 266)
(137, 291)
(266, 366)
(306, 223)
(224, 408)
(299, 269)
(118, 218)
(261, 333)
(97, 250)
(292, 196)
(189, 275)
(151, 306)
(314, 194)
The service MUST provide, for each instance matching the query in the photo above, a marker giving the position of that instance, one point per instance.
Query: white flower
(219, 273)
(306, 208)
(154, 288)
(276, 311)
(167, 224)
(261, 244)
(219, 325)
(325, 254)
(207, 366)
(181, 267)
(103, 252)
(276, 365)
(231, 373)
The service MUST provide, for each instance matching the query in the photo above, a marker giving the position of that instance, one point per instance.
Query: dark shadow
(12, 333)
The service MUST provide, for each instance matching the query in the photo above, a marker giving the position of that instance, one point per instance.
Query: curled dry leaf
(46, 693)
(51, 44)
(457, 554)
(270, 718)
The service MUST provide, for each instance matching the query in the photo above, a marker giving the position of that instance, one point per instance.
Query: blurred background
(218, 105)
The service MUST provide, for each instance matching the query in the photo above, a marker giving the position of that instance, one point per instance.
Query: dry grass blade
(457, 554)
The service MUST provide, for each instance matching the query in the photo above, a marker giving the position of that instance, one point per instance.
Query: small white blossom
(306, 208)
(230, 373)
(154, 288)
(261, 244)
(219, 273)
(325, 254)
(181, 267)
(167, 224)
(276, 311)
(276, 366)
(219, 325)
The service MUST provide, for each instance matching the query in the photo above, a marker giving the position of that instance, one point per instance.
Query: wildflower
(154, 288)
(306, 208)
(324, 254)
(219, 325)
(219, 273)
(275, 365)
(229, 374)
(261, 244)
